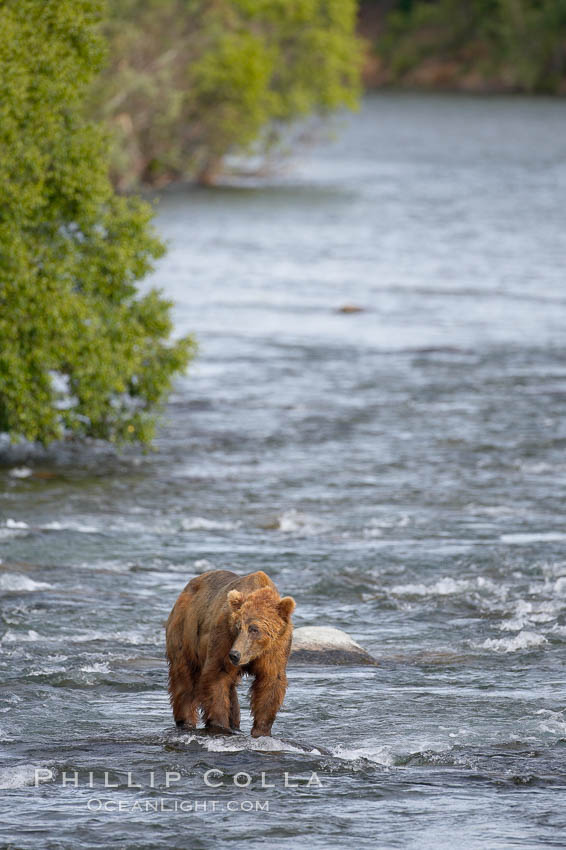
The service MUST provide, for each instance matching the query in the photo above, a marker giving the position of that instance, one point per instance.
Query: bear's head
(259, 620)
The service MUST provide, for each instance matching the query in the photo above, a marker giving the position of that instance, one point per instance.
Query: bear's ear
(235, 599)
(286, 607)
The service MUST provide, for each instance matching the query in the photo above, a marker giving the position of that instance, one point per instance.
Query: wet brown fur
(216, 613)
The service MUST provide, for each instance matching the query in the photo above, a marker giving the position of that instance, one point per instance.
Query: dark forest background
(477, 45)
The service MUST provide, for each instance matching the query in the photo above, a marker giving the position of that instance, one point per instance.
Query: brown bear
(222, 626)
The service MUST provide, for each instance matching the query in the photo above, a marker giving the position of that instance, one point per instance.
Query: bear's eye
(253, 630)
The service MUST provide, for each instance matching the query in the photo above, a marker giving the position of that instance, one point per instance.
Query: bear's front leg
(234, 709)
(267, 695)
(215, 687)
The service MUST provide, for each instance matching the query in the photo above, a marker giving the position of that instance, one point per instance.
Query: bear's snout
(234, 657)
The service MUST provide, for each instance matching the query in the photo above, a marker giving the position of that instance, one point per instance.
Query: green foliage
(80, 351)
(190, 81)
(521, 43)
(532, 39)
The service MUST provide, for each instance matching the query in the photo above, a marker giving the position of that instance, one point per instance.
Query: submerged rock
(350, 308)
(325, 645)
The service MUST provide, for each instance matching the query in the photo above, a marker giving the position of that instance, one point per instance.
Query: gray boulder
(325, 645)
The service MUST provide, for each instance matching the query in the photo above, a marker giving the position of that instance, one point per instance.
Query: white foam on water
(69, 525)
(18, 582)
(375, 526)
(371, 532)
(21, 472)
(12, 700)
(21, 776)
(20, 637)
(446, 586)
(540, 467)
(530, 613)
(133, 638)
(199, 523)
(534, 537)
(203, 565)
(53, 664)
(13, 528)
(107, 566)
(100, 667)
(124, 524)
(493, 510)
(119, 525)
(295, 522)
(524, 640)
(113, 524)
(12, 525)
(47, 671)
(553, 722)
(378, 755)
(443, 587)
(239, 743)
(15, 524)
(554, 569)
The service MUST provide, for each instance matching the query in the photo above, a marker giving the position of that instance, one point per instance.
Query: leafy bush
(80, 351)
(190, 81)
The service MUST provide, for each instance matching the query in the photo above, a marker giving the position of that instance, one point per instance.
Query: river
(400, 471)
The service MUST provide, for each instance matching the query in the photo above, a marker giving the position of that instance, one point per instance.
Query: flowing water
(400, 471)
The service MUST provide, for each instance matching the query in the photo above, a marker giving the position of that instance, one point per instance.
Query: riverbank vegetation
(479, 45)
(189, 82)
(80, 351)
(104, 96)
(177, 85)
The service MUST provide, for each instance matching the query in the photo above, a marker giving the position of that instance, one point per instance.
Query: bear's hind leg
(182, 693)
